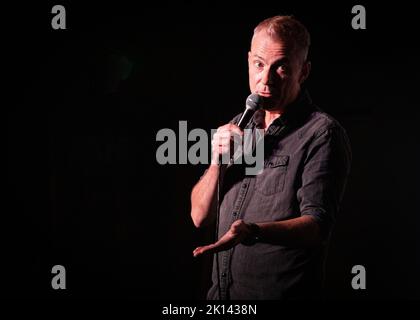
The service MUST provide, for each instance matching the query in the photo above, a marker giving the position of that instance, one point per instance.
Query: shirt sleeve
(235, 120)
(325, 172)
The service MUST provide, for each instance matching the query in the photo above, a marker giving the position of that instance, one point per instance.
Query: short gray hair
(288, 29)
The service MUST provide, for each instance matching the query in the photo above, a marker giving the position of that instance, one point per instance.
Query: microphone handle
(246, 116)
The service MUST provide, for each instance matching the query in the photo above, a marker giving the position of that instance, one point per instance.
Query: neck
(270, 116)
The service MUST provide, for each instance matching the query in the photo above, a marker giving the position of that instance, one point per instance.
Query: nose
(267, 77)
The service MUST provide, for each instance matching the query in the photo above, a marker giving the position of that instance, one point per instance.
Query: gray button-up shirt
(306, 164)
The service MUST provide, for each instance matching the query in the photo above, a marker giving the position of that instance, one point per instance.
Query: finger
(220, 148)
(226, 135)
(221, 139)
(220, 145)
(224, 243)
(232, 128)
(225, 140)
(229, 128)
(211, 248)
(200, 250)
(236, 131)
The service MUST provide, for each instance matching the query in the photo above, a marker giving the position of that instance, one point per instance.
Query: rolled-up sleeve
(325, 171)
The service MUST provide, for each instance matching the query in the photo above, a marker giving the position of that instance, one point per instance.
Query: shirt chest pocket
(271, 180)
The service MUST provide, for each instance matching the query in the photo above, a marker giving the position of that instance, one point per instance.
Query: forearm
(298, 232)
(204, 197)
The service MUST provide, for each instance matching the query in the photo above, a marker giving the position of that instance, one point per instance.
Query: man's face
(275, 71)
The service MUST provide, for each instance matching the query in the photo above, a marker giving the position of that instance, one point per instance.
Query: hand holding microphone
(230, 134)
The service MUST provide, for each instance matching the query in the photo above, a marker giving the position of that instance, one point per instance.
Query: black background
(85, 190)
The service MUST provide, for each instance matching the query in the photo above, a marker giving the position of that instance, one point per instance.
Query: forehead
(265, 45)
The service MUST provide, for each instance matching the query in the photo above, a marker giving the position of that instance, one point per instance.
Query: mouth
(267, 94)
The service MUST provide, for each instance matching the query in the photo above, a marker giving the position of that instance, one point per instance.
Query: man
(274, 227)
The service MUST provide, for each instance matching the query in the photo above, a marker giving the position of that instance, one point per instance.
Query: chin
(268, 108)
(270, 103)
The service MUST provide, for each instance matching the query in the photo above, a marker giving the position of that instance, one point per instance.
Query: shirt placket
(225, 276)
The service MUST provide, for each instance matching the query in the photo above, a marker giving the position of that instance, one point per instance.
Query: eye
(258, 64)
(281, 68)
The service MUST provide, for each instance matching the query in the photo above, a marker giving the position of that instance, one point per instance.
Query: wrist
(254, 234)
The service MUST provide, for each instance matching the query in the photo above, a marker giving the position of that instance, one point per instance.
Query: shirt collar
(294, 111)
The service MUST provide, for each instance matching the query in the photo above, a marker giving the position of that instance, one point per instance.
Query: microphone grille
(253, 101)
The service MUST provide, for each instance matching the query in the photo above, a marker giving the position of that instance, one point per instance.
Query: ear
(304, 73)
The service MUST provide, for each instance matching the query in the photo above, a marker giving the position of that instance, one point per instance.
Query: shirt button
(223, 274)
(244, 185)
(235, 214)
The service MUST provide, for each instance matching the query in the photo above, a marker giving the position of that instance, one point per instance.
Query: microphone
(253, 103)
